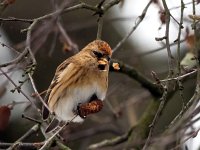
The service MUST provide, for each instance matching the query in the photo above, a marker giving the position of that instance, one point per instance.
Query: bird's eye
(98, 54)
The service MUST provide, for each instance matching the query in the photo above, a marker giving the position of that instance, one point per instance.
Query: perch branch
(135, 74)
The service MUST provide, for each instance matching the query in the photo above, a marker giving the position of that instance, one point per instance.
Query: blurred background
(126, 99)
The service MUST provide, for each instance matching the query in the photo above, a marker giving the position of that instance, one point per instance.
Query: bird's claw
(79, 111)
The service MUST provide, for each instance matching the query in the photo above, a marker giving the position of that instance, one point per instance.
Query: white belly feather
(75, 96)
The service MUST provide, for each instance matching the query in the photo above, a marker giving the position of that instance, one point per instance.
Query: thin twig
(49, 140)
(157, 49)
(114, 141)
(10, 19)
(96, 130)
(180, 86)
(53, 45)
(179, 77)
(34, 129)
(9, 47)
(179, 39)
(170, 57)
(15, 85)
(176, 7)
(100, 27)
(16, 60)
(156, 117)
(22, 145)
(189, 103)
(187, 116)
(70, 43)
(36, 92)
(192, 135)
(31, 119)
(107, 6)
(167, 86)
(140, 19)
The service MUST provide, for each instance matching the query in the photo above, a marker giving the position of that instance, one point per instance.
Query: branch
(71, 44)
(173, 124)
(150, 116)
(48, 142)
(10, 19)
(157, 49)
(20, 91)
(177, 126)
(22, 145)
(100, 26)
(36, 92)
(16, 60)
(112, 142)
(140, 19)
(34, 129)
(179, 39)
(170, 57)
(180, 77)
(162, 104)
(103, 128)
(107, 6)
(136, 75)
(138, 132)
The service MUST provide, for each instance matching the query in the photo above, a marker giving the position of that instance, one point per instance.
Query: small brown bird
(80, 79)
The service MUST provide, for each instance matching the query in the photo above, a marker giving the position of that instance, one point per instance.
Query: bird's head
(101, 51)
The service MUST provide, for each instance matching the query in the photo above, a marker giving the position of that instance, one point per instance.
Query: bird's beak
(102, 64)
(103, 61)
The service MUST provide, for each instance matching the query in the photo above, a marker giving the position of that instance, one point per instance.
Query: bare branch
(114, 141)
(140, 19)
(170, 57)
(135, 74)
(10, 19)
(157, 115)
(100, 27)
(26, 96)
(33, 130)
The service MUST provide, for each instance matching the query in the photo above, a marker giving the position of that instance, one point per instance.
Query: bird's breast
(84, 93)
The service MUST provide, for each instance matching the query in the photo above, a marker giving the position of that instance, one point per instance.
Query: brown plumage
(78, 81)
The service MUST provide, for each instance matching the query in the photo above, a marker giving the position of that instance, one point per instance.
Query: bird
(80, 79)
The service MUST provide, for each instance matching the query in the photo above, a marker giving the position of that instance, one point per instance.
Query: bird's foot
(80, 112)
(84, 109)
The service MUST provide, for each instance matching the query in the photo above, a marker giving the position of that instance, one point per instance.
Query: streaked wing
(64, 80)
(60, 68)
